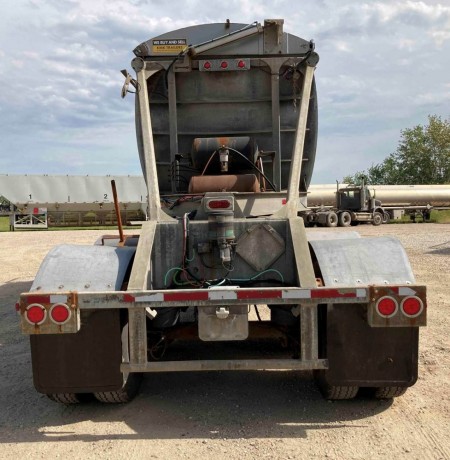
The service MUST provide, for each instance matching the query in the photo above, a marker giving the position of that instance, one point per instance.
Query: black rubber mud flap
(364, 356)
(85, 362)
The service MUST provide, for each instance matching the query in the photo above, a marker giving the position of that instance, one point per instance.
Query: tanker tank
(436, 196)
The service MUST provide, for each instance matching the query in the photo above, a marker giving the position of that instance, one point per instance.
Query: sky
(384, 66)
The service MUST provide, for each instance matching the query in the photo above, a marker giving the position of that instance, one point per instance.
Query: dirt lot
(241, 415)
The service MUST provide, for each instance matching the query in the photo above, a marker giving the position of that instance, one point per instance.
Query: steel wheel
(377, 218)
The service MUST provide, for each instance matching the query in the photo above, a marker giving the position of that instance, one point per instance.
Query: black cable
(253, 166)
(166, 73)
(257, 312)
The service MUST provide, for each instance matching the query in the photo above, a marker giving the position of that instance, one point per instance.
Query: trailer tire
(64, 398)
(377, 218)
(389, 392)
(125, 394)
(332, 392)
(386, 218)
(345, 219)
(331, 219)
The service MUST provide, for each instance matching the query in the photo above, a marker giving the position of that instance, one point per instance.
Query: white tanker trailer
(410, 198)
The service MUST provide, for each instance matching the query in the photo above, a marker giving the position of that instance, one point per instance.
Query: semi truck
(414, 200)
(354, 204)
(223, 275)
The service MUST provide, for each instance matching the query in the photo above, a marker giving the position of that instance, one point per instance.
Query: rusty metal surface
(224, 183)
(226, 365)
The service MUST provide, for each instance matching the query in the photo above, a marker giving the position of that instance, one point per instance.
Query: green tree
(422, 157)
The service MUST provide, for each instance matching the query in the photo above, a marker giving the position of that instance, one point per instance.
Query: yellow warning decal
(170, 46)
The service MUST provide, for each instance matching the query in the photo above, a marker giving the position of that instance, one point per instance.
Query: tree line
(422, 157)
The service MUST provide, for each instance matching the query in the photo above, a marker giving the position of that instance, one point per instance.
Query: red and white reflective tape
(46, 298)
(245, 294)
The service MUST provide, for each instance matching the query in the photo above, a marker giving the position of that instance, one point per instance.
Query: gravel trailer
(223, 275)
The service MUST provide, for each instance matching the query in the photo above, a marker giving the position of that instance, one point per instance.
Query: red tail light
(35, 314)
(219, 204)
(387, 306)
(60, 313)
(412, 306)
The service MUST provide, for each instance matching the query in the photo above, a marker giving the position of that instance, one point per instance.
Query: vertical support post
(139, 282)
(309, 337)
(117, 209)
(292, 202)
(154, 202)
(276, 138)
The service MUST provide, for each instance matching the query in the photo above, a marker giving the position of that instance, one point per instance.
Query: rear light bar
(387, 306)
(220, 65)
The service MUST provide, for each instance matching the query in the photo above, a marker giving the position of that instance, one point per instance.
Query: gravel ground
(241, 415)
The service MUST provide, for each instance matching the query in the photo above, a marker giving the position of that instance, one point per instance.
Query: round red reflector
(224, 64)
(35, 314)
(60, 313)
(412, 306)
(207, 65)
(241, 64)
(219, 204)
(387, 306)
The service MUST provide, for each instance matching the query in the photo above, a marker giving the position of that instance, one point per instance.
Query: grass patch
(441, 217)
(437, 217)
(4, 223)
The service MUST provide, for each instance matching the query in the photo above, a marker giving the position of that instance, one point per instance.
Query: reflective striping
(58, 298)
(406, 291)
(35, 298)
(259, 294)
(330, 294)
(361, 293)
(222, 295)
(295, 294)
(157, 297)
(128, 298)
(186, 296)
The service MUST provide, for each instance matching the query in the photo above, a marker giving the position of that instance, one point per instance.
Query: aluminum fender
(83, 268)
(313, 235)
(362, 261)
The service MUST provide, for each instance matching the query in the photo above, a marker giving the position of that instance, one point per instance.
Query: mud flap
(360, 355)
(85, 362)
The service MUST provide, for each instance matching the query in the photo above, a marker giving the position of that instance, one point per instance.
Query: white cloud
(384, 66)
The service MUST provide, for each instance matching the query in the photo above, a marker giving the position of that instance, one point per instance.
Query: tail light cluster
(388, 306)
(36, 314)
(49, 314)
(398, 311)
